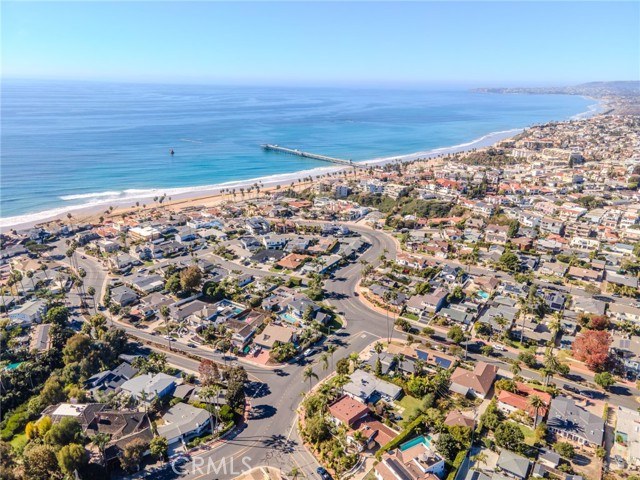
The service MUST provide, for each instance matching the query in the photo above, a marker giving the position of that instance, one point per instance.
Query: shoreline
(204, 193)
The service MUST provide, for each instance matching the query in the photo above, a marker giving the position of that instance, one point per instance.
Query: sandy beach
(209, 195)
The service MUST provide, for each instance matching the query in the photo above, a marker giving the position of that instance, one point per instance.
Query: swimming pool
(484, 295)
(289, 318)
(13, 366)
(415, 441)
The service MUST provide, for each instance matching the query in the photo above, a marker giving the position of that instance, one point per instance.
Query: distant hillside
(591, 89)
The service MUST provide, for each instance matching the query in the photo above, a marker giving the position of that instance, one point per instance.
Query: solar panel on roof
(422, 355)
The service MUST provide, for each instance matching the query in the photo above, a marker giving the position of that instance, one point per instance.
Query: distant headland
(620, 97)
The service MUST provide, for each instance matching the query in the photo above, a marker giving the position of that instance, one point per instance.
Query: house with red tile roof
(510, 402)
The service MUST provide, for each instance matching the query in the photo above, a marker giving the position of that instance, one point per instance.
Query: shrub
(16, 422)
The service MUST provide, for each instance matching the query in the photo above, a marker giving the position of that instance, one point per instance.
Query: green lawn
(529, 436)
(19, 441)
(335, 324)
(410, 405)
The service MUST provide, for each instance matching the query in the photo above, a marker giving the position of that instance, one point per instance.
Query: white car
(498, 347)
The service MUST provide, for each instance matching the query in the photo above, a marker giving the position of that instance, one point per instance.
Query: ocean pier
(315, 156)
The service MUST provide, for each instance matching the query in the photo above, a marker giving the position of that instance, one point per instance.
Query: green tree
(457, 295)
(7, 461)
(528, 358)
(536, 403)
(173, 283)
(324, 359)
(456, 334)
(564, 449)
(57, 315)
(101, 440)
(132, 454)
(487, 350)
(343, 366)
(190, 278)
(514, 227)
(309, 374)
(71, 458)
(492, 416)
(509, 261)
(604, 379)
(40, 463)
(235, 393)
(505, 384)
(77, 348)
(447, 446)
(155, 362)
(66, 431)
(159, 447)
(378, 368)
(316, 429)
(52, 392)
(508, 435)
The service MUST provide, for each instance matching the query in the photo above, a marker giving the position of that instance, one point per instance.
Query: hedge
(407, 432)
(15, 423)
(456, 464)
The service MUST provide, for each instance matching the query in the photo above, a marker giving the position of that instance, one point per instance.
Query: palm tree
(309, 374)
(44, 268)
(551, 366)
(212, 391)
(340, 381)
(101, 440)
(17, 276)
(92, 293)
(324, 358)
(165, 313)
(555, 325)
(515, 368)
(359, 438)
(387, 297)
(355, 360)
(480, 457)
(537, 403)
(331, 349)
(379, 348)
(30, 277)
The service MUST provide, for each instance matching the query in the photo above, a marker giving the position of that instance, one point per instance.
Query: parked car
(571, 389)
(179, 459)
(498, 347)
(308, 352)
(323, 473)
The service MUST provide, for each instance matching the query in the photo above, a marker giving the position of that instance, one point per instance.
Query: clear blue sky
(476, 43)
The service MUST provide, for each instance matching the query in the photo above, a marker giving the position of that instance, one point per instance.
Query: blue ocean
(68, 144)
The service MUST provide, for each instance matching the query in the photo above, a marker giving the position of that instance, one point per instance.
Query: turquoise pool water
(484, 295)
(415, 441)
(13, 366)
(289, 318)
